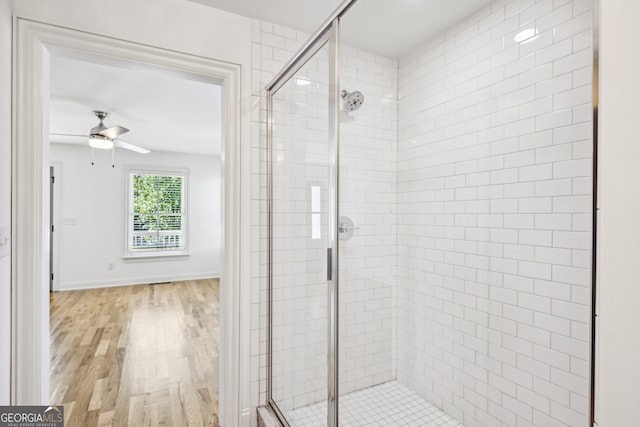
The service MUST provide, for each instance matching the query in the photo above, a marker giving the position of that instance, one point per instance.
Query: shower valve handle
(344, 227)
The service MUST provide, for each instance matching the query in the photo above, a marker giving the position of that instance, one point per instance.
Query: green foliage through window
(157, 211)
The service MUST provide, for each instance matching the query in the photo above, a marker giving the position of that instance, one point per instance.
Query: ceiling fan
(103, 137)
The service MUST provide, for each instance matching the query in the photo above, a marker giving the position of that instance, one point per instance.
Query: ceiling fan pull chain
(93, 155)
(113, 156)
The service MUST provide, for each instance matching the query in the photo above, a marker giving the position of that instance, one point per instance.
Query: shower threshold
(388, 404)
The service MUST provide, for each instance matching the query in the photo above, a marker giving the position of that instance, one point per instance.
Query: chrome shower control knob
(345, 228)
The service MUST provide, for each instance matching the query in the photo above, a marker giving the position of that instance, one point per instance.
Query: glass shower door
(300, 224)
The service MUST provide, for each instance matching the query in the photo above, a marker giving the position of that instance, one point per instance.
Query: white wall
(172, 24)
(618, 379)
(5, 196)
(494, 203)
(97, 195)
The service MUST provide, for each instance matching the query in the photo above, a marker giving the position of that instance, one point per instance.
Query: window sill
(162, 256)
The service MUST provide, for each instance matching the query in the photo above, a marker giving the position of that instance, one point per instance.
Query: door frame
(30, 205)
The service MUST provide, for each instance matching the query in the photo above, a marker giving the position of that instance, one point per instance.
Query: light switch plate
(5, 241)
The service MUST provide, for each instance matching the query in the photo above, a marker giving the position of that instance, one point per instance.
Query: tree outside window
(156, 212)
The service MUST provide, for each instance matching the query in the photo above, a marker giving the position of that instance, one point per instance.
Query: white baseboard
(128, 281)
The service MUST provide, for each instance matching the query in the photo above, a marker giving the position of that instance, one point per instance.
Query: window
(156, 213)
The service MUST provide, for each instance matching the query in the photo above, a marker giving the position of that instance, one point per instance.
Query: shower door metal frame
(326, 37)
(289, 72)
(327, 34)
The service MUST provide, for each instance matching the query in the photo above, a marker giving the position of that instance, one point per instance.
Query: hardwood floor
(143, 355)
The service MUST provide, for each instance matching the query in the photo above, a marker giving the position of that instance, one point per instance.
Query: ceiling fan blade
(127, 146)
(69, 134)
(114, 132)
(68, 138)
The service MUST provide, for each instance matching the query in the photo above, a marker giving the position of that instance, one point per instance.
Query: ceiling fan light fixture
(100, 142)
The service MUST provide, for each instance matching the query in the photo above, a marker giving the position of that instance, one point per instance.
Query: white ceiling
(303, 15)
(172, 111)
(387, 27)
(164, 110)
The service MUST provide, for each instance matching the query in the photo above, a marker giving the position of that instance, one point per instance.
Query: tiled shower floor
(389, 404)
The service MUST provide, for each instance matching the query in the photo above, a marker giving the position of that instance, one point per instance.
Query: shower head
(352, 100)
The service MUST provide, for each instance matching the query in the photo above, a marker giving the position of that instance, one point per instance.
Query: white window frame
(150, 254)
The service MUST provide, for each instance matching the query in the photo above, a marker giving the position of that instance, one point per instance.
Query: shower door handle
(329, 263)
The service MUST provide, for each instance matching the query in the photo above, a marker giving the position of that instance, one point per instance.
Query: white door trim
(30, 171)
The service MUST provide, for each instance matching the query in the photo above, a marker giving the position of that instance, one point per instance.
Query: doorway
(139, 241)
(31, 202)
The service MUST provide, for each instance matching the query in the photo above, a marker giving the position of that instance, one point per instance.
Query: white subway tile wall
(272, 47)
(368, 180)
(494, 203)
(468, 169)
